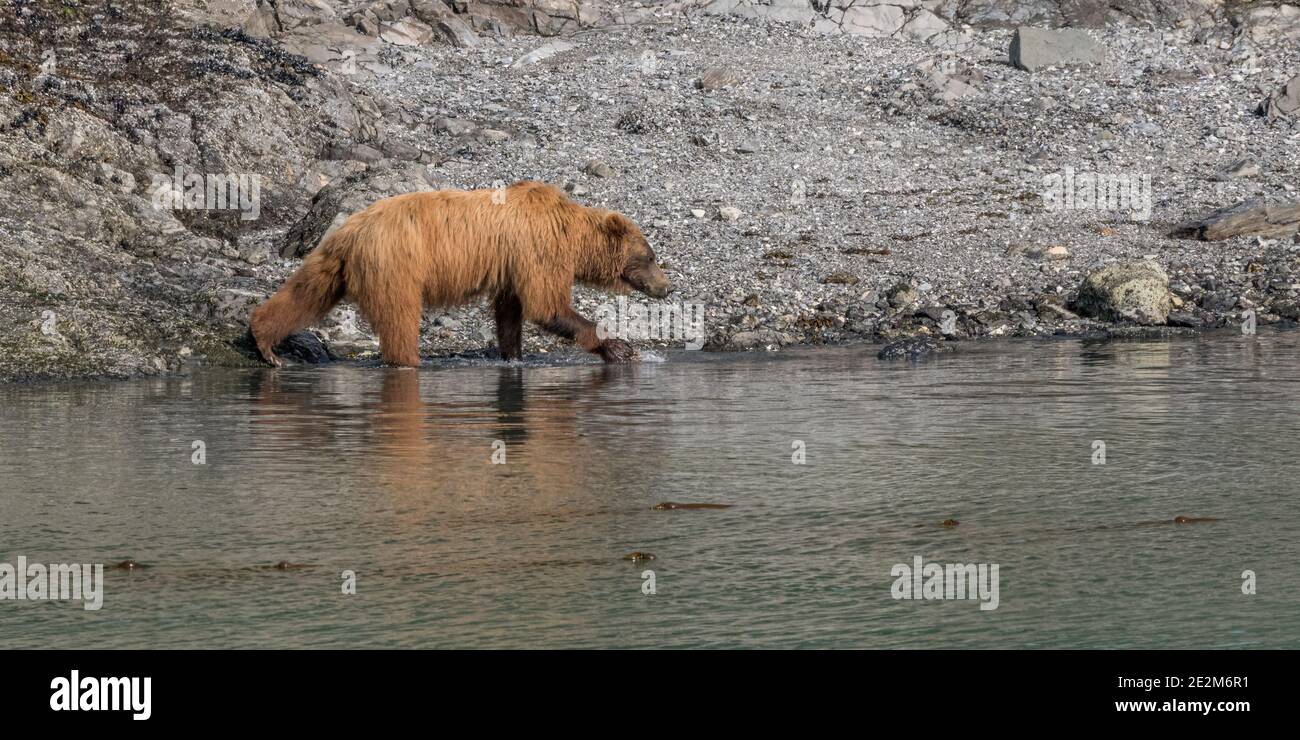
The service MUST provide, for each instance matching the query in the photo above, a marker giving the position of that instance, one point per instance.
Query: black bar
(1002, 689)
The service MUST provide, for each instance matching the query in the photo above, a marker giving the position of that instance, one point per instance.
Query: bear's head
(627, 262)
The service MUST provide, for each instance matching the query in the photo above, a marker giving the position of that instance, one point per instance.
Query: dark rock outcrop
(913, 348)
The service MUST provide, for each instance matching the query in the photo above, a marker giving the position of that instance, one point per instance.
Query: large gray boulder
(1128, 291)
(1033, 49)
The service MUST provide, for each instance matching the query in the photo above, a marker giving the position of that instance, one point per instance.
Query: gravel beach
(803, 185)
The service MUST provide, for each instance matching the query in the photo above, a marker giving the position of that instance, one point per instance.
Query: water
(388, 473)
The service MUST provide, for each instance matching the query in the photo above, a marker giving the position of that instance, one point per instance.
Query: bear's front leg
(572, 325)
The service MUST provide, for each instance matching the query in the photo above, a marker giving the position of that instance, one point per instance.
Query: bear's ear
(615, 225)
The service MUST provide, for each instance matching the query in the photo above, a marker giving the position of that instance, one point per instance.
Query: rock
(255, 253)
(494, 136)
(1287, 308)
(306, 348)
(1033, 49)
(340, 199)
(354, 152)
(445, 22)
(1284, 101)
(574, 188)
(1049, 310)
(551, 17)
(913, 348)
(1237, 170)
(639, 121)
(110, 176)
(873, 20)
(1084, 13)
(1130, 291)
(946, 79)
(340, 325)
(1051, 253)
(935, 313)
(232, 305)
(947, 89)
(598, 168)
(406, 32)
(1185, 319)
(1248, 218)
(396, 149)
(1228, 134)
(1007, 13)
(1267, 21)
(924, 25)
(303, 347)
(902, 295)
(454, 126)
(754, 339)
(716, 78)
(729, 213)
(544, 51)
(1219, 301)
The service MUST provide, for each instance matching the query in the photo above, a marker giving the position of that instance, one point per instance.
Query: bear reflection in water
(544, 440)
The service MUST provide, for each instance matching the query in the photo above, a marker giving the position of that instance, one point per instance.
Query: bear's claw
(268, 354)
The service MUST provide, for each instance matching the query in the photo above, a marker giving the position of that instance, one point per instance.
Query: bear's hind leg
(510, 325)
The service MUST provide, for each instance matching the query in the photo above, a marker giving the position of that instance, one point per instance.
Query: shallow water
(388, 473)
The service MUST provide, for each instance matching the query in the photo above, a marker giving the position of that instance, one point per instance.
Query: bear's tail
(307, 295)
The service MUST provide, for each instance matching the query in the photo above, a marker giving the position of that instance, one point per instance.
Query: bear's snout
(651, 280)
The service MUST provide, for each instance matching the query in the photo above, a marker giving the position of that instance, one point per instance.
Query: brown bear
(524, 246)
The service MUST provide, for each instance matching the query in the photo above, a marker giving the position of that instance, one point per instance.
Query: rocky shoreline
(814, 176)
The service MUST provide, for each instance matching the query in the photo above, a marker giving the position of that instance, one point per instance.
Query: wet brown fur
(524, 246)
